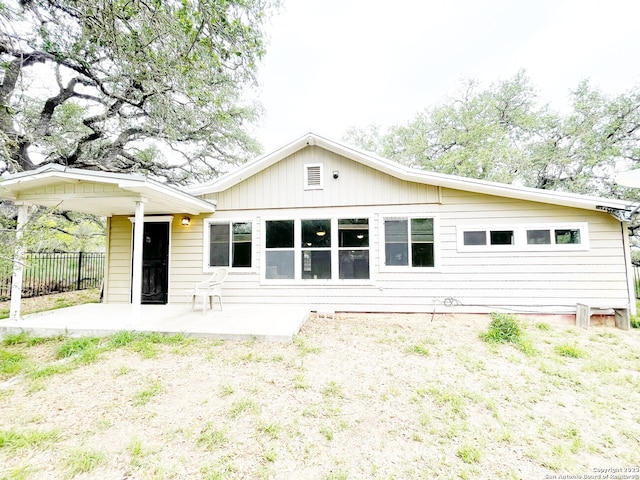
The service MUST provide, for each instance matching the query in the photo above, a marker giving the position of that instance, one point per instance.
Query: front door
(155, 262)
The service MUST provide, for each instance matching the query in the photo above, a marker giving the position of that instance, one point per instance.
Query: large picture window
(317, 249)
(409, 242)
(230, 244)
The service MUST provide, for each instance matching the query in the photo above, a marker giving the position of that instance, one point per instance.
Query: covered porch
(144, 201)
(236, 322)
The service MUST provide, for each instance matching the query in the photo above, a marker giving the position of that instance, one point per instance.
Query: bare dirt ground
(355, 397)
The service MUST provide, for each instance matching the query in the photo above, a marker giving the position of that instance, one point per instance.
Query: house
(325, 225)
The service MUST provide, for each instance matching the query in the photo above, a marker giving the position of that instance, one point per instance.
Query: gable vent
(313, 176)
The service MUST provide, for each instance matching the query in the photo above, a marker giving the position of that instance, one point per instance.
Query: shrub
(635, 322)
(504, 328)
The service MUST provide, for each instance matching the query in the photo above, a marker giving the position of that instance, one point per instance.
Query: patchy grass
(16, 439)
(52, 302)
(83, 461)
(349, 398)
(153, 388)
(569, 350)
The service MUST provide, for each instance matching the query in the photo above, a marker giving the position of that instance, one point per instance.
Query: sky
(335, 64)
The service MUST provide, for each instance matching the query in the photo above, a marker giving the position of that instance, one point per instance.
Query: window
(501, 237)
(279, 249)
(557, 236)
(230, 244)
(524, 237)
(409, 242)
(567, 236)
(317, 249)
(353, 248)
(313, 176)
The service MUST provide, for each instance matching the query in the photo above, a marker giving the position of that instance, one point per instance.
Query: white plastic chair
(209, 289)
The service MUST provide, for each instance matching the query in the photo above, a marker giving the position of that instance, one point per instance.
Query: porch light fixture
(185, 221)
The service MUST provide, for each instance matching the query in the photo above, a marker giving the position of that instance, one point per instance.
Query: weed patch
(567, 350)
(154, 387)
(14, 439)
(11, 363)
(85, 349)
(243, 405)
(468, 454)
(211, 438)
(506, 328)
(83, 461)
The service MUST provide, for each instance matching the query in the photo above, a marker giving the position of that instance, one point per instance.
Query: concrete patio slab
(236, 322)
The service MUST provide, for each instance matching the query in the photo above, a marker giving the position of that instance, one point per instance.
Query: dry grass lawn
(355, 397)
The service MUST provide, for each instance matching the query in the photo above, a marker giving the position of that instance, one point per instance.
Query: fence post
(79, 280)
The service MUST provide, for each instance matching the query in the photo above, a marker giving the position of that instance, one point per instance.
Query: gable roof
(99, 193)
(622, 209)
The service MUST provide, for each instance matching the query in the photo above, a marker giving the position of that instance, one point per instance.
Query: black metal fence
(46, 273)
(636, 278)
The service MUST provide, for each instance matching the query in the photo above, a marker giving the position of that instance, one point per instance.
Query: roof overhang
(98, 193)
(621, 208)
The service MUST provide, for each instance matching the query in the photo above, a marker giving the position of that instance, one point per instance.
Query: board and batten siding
(282, 185)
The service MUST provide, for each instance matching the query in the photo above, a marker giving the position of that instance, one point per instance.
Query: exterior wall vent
(313, 176)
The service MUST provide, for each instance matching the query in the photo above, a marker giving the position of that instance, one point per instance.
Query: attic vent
(313, 176)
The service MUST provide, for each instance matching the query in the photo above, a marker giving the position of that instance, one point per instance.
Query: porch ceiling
(98, 193)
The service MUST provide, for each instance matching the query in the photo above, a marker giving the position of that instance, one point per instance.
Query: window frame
(408, 268)
(298, 248)
(520, 237)
(206, 261)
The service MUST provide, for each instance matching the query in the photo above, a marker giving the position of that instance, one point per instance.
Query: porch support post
(18, 263)
(136, 278)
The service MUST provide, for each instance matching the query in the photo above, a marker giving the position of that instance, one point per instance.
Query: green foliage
(635, 321)
(419, 349)
(84, 461)
(11, 363)
(469, 454)
(14, 439)
(506, 328)
(23, 338)
(85, 348)
(157, 74)
(567, 350)
(505, 133)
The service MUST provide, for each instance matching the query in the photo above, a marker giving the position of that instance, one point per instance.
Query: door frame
(155, 219)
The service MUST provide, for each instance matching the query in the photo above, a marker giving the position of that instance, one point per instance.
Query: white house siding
(117, 288)
(546, 282)
(526, 281)
(282, 185)
(543, 281)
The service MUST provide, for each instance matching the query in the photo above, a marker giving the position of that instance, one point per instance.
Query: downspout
(631, 291)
